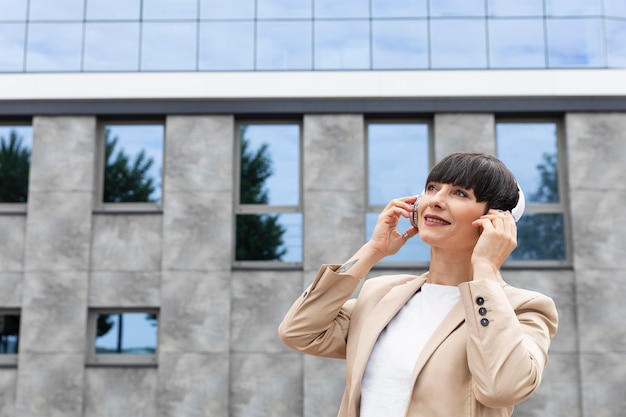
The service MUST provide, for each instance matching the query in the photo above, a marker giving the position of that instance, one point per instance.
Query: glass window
(575, 43)
(284, 45)
(398, 164)
(531, 151)
(15, 150)
(133, 163)
(56, 10)
(399, 8)
(167, 9)
(573, 7)
(516, 43)
(345, 8)
(616, 43)
(169, 46)
(458, 43)
(13, 9)
(111, 47)
(615, 8)
(54, 47)
(123, 336)
(457, 8)
(284, 9)
(113, 9)
(236, 54)
(9, 334)
(515, 8)
(12, 37)
(269, 194)
(232, 9)
(342, 45)
(401, 44)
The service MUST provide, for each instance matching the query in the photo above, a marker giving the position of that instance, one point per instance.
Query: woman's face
(446, 213)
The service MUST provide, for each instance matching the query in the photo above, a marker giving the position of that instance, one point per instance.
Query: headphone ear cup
(518, 210)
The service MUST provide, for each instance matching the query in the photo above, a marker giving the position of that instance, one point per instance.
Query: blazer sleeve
(508, 341)
(317, 322)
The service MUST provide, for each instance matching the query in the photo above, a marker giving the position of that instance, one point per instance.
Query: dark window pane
(516, 44)
(270, 164)
(342, 45)
(13, 9)
(12, 38)
(400, 44)
(575, 43)
(169, 46)
(269, 237)
(232, 9)
(616, 43)
(530, 151)
(344, 8)
(615, 8)
(9, 333)
(397, 161)
(457, 43)
(113, 9)
(134, 161)
(540, 236)
(111, 47)
(284, 45)
(56, 10)
(168, 9)
(573, 7)
(236, 54)
(284, 9)
(15, 150)
(126, 333)
(413, 251)
(457, 8)
(515, 8)
(399, 8)
(54, 47)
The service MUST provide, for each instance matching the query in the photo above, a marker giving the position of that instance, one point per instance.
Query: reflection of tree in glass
(105, 322)
(14, 166)
(540, 236)
(126, 181)
(259, 237)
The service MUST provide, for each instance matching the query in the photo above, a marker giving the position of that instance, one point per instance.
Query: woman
(456, 341)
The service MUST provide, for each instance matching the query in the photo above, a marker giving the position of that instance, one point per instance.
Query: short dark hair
(485, 174)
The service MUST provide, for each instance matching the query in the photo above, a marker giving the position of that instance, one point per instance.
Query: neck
(449, 268)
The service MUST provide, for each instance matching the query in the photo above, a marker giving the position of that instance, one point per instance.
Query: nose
(438, 198)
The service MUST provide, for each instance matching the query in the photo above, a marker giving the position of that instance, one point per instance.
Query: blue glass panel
(573, 7)
(130, 145)
(169, 46)
(342, 45)
(284, 45)
(232, 9)
(111, 47)
(13, 10)
(23, 133)
(399, 8)
(516, 43)
(400, 44)
(615, 8)
(575, 43)
(12, 37)
(398, 161)
(9, 333)
(236, 54)
(530, 151)
(284, 9)
(344, 8)
(126, 333)
(540, 236)
(113, 9)
(515, 8)
(413, 251)
(56, 10)
(269, 237)
(15, 152)
(458, 43)
(442, 8)
(279, 146)
(168, 9)
(54, 47)
(616, 43)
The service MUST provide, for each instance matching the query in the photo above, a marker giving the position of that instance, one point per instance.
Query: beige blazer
(486, 356)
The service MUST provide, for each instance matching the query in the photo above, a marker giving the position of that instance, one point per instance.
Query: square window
(169, 46)
(458, 43)
(284, 45)
(15, 150)
(575, 43)
(236, 54)
(516, 43)
(111, 46)
(132, 163)
(54, 47)
(399, 44)
(342, 44)
(9, 336)
(123, 336)
(12, 37)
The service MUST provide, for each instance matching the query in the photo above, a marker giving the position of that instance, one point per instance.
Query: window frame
(123, 359)
(562, 207)
(10, 359)
(124, 207)
(17, 208)
(240, 209)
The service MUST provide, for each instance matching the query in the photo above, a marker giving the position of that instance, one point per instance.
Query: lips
(435, 219)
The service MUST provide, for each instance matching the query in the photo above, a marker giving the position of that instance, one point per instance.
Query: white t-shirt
(388, 377)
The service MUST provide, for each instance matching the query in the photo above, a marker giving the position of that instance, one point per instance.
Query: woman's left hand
(497, 239)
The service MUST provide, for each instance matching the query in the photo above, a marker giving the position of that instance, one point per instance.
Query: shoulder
(527, 300)
(384, 283)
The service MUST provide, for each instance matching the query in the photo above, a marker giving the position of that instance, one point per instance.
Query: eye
(430, 187)
(460, 193)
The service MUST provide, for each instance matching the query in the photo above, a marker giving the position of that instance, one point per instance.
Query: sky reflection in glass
(516, 43)
(399, 44)
(13, 10)
(575, 43)
(130, 333)
(12, 37)
(113, 9)
(111, 47)
(54, 47)
(573, 7)
(231, 9)
(168, 9)
(399, 8)
(458, 43)
(508, 8)
(284, 9)
(342, 9)
(342, 44)
(284, 45)
(616, 43)
(226, 46)
(449, 8)
(169, 46)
